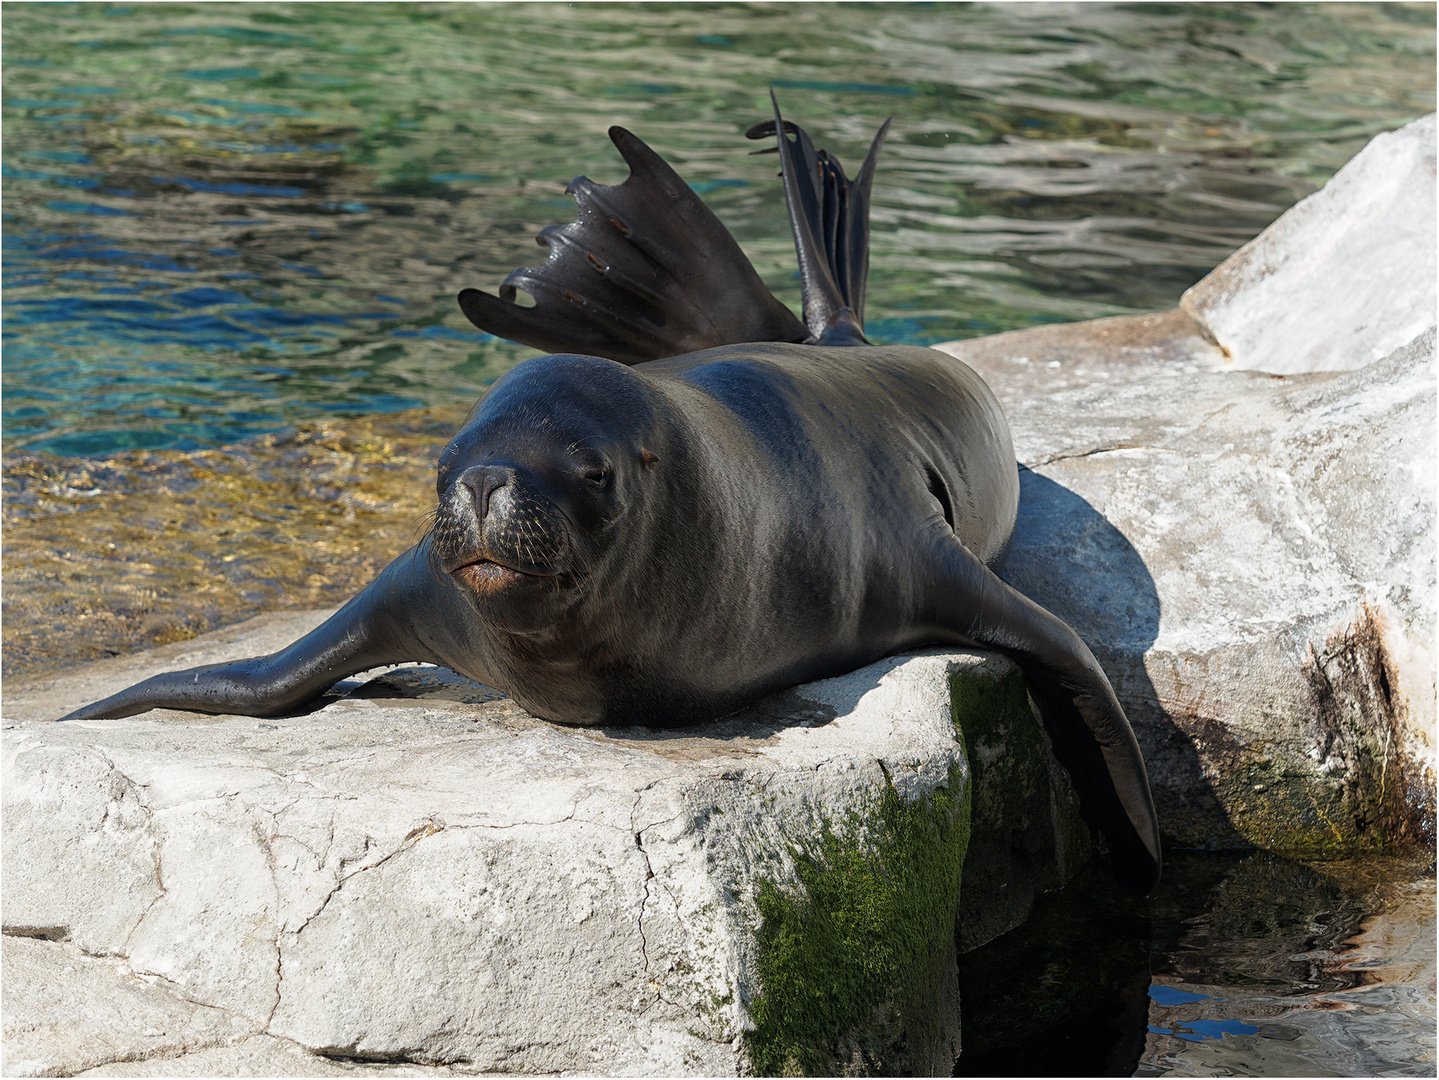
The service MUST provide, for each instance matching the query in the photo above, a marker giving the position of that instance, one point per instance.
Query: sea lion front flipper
(646, 271)
(378, 626)
(829, 217)
(966, 602)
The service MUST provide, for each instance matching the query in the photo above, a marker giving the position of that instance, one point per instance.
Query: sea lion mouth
(496, 538)
(485, 575)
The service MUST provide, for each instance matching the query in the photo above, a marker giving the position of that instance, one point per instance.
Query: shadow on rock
(1066, 556)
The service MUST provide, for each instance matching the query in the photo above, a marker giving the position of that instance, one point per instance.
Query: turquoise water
(220, 219)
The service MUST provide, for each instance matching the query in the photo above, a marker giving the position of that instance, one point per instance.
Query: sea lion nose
(483, 481)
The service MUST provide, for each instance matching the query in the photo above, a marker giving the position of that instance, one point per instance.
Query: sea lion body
(779, 536)
(666, 539)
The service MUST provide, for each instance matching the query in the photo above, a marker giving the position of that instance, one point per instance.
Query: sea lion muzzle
(492, 529)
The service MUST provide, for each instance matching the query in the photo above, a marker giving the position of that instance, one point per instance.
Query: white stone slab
(432, 880)
(1342, 279)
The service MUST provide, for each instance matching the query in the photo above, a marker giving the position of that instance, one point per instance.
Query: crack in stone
(1123, 444)
(56, 932)
(537, 824)
(155, 850)
(179, 1053)
(267, 845)
(159, 1054)
(649, 874)
(644, 902)
(174, 989)
(350, 1055)
(413, 837)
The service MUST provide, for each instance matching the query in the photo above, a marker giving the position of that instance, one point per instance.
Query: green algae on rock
(856, 960)
(853, 963)
(1027, 834)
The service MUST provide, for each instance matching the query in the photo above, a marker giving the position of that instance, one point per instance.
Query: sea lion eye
(593, 468)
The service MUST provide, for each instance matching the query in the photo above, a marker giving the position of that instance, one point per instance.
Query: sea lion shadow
(1068, 557)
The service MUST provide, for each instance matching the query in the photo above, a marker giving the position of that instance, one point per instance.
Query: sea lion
(667, 542)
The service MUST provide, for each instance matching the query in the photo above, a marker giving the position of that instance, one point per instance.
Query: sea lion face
(534, 489)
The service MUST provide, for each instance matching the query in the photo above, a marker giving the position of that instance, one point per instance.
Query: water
(223, 219)
(1240, 965)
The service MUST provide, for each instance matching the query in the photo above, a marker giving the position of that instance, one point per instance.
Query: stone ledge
(406, 875)
(1252, 560)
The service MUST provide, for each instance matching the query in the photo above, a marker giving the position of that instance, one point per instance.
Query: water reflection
(226, 218)
(1241, 965)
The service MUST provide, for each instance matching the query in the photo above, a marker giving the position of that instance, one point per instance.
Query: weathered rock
(68, 1014)
(442, 879)
(1342, 279)
(76, 1012)
(1253, 562)
(1251, 555)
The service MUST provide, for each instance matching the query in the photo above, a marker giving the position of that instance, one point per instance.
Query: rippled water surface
(1242, 964)
(220, 219)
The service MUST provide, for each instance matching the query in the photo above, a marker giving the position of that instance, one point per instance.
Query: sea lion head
(534, 489)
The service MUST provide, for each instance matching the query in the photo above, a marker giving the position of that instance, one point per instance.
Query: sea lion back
(923, 423)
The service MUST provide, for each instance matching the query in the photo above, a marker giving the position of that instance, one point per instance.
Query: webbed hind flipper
(646, 271)
(829, 216)
(964, 602)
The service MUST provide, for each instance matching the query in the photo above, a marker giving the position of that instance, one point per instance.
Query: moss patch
(1012, 856)
(852, 970)
(1002, 739)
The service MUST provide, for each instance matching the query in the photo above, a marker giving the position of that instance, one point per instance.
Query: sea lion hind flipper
(369, 631)
(829, 216)
(967, 602)
(645, 271)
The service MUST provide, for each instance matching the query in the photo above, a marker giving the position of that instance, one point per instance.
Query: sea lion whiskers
(424, 534)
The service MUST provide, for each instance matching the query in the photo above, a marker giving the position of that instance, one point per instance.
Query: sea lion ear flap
(645, 271)
(647, 458)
